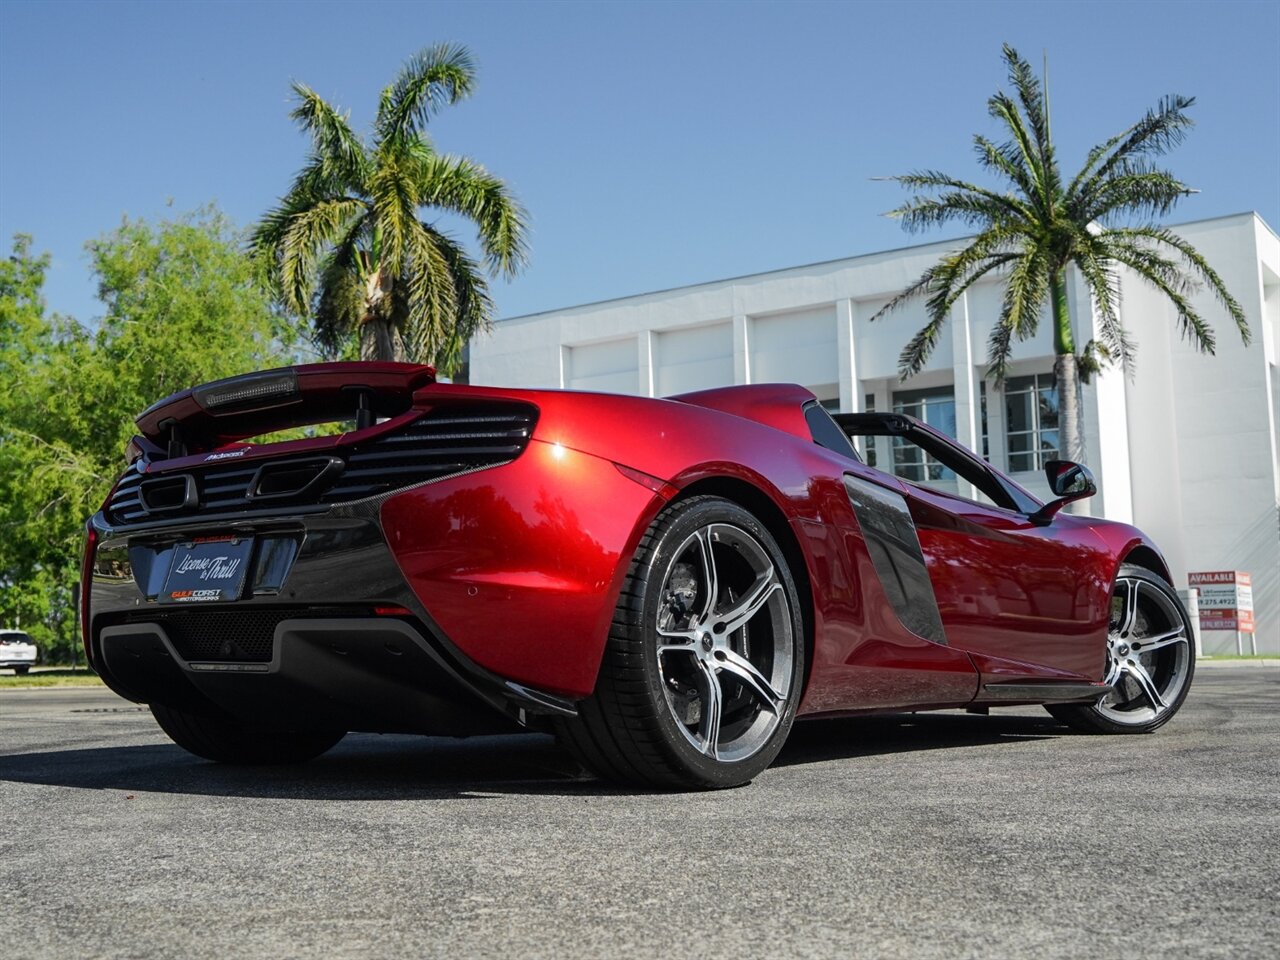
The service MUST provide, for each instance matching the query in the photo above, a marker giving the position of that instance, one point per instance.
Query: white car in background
(17, 651)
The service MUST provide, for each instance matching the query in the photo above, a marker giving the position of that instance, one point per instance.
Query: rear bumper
(327, 634)
(379, 674)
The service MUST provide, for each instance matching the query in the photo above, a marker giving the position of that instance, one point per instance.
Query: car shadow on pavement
(373, 767)
(816, 741)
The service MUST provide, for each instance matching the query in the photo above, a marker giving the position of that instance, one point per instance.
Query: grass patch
(59, 677)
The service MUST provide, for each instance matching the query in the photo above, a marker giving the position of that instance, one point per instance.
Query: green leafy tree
(184, 304)
(1100, 220)
(349, 244)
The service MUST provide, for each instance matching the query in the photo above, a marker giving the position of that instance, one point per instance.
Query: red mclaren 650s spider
(667, 585)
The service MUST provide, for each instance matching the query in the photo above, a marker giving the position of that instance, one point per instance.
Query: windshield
(10, 637)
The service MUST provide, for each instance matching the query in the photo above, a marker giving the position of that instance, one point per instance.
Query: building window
(1031, 421)
(935, 407)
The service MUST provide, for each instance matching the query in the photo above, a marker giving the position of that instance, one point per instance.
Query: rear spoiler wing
(224, 411)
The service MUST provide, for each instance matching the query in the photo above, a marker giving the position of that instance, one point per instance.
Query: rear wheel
(20, 671)
(704, 664)
(1150, 662)
(226, 741)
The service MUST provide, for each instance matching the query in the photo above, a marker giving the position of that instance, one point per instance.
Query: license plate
(204, 571)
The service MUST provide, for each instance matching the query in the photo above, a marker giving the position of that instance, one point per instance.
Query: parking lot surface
(943, 835)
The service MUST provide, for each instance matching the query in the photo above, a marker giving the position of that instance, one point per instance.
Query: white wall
(797, 346)
(693, 358)
(1202, 429)
(611, 366)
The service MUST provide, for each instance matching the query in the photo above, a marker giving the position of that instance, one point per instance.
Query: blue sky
(654, 144)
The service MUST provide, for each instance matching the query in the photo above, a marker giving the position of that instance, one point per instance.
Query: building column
(847, 351)
(644, 363)
(883, 395)
(967, 422)
(997, 454)
(741, 348)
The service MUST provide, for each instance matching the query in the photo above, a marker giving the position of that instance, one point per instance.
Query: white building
(1186, 450)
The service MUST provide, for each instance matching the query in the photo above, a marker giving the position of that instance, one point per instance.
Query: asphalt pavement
(931, 835)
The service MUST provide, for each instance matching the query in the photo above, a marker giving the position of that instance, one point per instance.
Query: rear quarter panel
(522, 565)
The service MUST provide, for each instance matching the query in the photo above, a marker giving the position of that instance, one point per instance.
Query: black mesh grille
(450, 439)
(232, 636)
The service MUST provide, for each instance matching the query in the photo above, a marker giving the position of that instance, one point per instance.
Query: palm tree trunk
(1066, 373)
(380, 340)
(1069, 433)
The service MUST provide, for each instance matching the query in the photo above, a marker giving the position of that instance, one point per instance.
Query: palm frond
(946, 282)
(340, 305)
(1036, 112)
(314, 184)
(322, 179)
(1025, 293)
(1193, 259)
(463, 186)
(429, 304)
(925, 282)
(1097, 268)
(954, 273)
(336, 145)
(1030, 95)
(268, 233)
(1091, 162)
(1164, 274)
(958, 271)
(393, 190)
(471, 311)
(1200, 267)
(1162, 129)
(1005, 110)
(919, 348)
(962, 202)
(434, 77)
(1136, 190)
(1005, 159)
(309, 232)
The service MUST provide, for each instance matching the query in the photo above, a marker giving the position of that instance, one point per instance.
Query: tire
(704, 664)
(1150, 659)
(20, 671)
(225, 741)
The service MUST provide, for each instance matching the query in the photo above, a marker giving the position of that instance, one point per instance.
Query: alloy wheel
(725, 643)
(1148, 654)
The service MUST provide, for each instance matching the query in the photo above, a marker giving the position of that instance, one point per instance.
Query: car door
(1007, 586)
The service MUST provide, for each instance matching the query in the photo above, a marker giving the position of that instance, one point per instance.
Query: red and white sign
(1226, 599)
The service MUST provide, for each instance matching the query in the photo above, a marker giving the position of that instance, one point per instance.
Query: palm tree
(348, 242)
(1101, 220)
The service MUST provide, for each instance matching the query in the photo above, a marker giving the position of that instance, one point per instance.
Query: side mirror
(1068, 481)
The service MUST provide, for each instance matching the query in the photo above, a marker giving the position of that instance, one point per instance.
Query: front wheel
(226, 741)
(704, 664)
(1150, 661)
